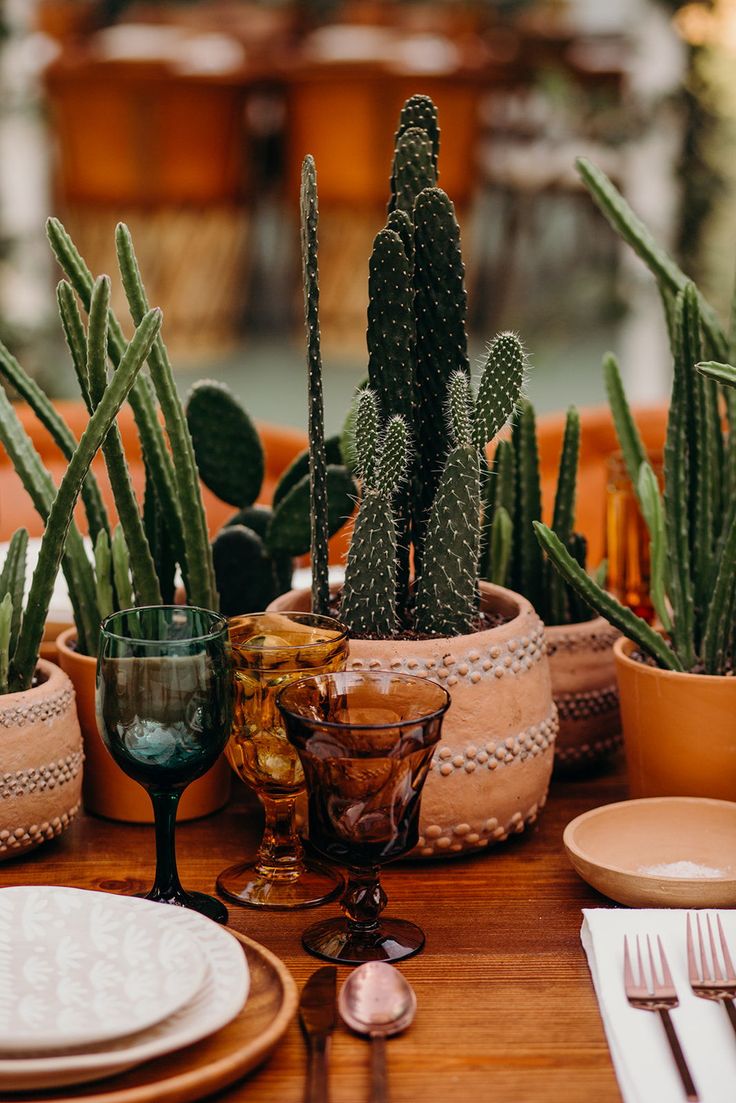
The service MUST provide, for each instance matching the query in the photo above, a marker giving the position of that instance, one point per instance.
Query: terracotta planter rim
(50, 672)
(63, 642)
(596, 618)
(623, 647)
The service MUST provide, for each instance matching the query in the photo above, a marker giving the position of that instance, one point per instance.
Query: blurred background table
(506, 1009)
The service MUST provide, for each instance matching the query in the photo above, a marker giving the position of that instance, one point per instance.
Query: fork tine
(717, 974)
(655, 976)
(666, 974)
(629, 981)
(642, 975)
(704, 967)
(692, 965)
(724, 948)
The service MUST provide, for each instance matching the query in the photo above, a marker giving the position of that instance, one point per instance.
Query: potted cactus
(136, 562)
(677, 685)
(412, 594)
(39, 730)
(579, 643)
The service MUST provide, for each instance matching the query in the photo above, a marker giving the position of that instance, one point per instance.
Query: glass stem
(280, 855)
(166, 885)
(363, 900)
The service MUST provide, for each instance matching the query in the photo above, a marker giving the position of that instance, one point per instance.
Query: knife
(318, 1014)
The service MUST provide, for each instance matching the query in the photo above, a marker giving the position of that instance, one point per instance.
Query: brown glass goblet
(270, 650)
(365, 740)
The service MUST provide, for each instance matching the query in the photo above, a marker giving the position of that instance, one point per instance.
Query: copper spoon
(378, 1001)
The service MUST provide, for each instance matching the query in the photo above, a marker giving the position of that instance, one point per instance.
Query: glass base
(195, 901)
(315, 885)
(392, 940)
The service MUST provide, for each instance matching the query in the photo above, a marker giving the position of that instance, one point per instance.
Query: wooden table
(506, 1006)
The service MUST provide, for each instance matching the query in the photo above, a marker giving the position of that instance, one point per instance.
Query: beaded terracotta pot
(40, 761)
(491, 770)
(585, 692)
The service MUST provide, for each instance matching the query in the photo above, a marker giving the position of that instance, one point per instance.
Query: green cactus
(317, 458)
(6, 619)
(447, 589)
(693, 535)
(417, 343)
(368, 604)
(13, 582)
(103, 576)
(23, 662)
(440, 309)
(227, 447)
(121, 569)
(515, 486)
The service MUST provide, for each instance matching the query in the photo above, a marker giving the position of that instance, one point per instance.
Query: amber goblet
(270, 650)
(366, 741)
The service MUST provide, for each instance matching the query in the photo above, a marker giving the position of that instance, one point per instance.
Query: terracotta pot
(41, 755)
(585, 691)
(679, 730)
(107, 791)
(491, 770)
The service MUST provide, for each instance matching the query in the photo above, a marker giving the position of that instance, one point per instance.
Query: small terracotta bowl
(671, 852)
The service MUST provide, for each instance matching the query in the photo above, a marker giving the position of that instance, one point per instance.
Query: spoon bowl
(377, 1000)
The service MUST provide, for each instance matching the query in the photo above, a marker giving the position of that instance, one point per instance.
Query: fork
(711, 982)
(659, 996)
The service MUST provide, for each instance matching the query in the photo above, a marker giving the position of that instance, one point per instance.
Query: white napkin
(641, 1056)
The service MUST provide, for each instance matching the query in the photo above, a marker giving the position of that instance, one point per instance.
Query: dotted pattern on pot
(39, 779)
(35, 712)
(22, 837)
(587, 703)
(499, 660)
(534, 741)
(582, 641)
(588, 752)
(438, 842)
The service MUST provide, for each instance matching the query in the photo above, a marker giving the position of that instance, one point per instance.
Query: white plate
(80, 968)
(218, 1000)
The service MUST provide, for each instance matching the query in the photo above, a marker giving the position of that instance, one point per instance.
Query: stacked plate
(92, 984)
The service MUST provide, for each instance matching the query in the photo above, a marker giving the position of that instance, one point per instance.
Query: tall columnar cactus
(447, 588)
(417, 347)
(693, 532)
(317, 455)
(368, 605)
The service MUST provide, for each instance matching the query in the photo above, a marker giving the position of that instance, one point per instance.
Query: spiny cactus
(514, 491)
(253, 554)
(447, 588)
(693, 532)
(368, 604)
(417, 344)
(317, 457)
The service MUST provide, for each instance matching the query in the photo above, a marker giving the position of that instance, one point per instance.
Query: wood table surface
(506, 1009)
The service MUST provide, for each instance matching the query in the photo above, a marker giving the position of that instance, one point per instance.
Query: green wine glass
(164, 712)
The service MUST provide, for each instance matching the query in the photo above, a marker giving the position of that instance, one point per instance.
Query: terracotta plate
(672, 852)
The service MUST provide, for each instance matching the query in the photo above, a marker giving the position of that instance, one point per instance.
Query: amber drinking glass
(366, 741)
(269, 651)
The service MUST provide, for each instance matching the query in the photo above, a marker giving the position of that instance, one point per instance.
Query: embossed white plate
(77, 968)
(218, 1000)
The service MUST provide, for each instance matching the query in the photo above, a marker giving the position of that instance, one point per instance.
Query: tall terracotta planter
(107, 791)
(41, 762)
(585, 692)
(679, 730)
(491, 770)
